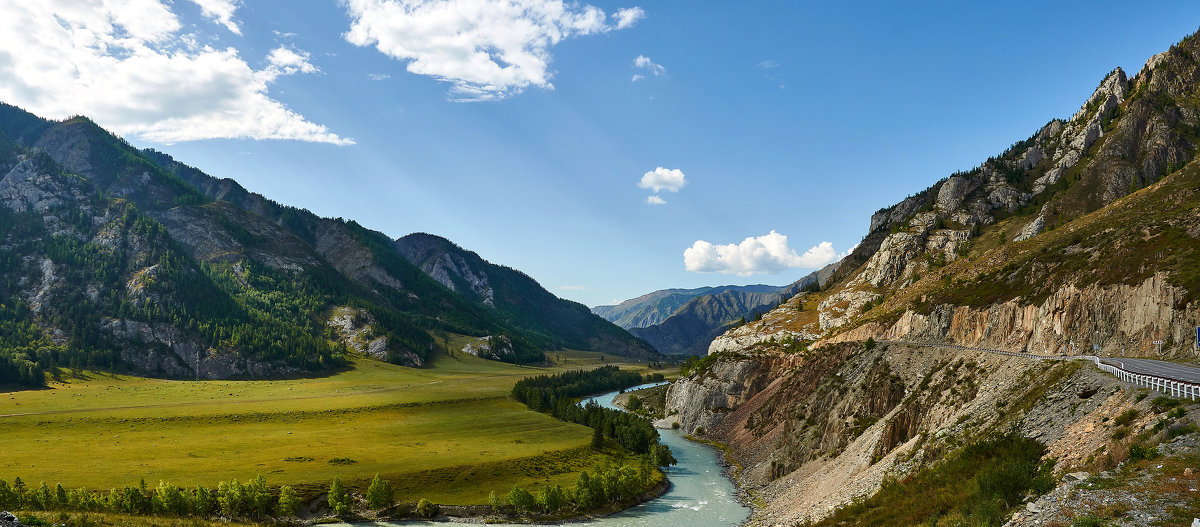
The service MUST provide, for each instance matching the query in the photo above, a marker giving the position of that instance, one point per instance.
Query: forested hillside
(115, 257)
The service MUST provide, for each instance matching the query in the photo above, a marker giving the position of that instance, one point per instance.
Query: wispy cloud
(378, 76)
(643, 62)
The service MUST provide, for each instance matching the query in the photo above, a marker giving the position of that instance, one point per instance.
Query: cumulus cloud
(655, 200)
(763, 254)
(644, 63)
(221, 12)
(661, 179)
(128, 66)
(485, 49)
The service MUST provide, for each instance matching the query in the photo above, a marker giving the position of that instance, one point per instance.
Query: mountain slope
(949, 259)
(114, 257)
(518, 299)
(1084, 237)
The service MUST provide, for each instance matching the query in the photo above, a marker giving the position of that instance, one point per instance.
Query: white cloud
(378, 76)
(285, 61)
(655, 200)
(644, 62)
(485, 49)
(637, 77)
(763, 254)
(662, 178)
(221, 12)
(128, 66)
(629, 16)
(767, 65)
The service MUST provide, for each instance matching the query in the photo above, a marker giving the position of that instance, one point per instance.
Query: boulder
(1076, 477)
(8, 519)
(1032, 229)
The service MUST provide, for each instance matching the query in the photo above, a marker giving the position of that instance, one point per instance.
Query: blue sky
(786, 119)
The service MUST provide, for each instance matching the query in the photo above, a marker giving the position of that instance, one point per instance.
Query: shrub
(1126, 417)
(426, 508)
(1138, 452)
(521, 499)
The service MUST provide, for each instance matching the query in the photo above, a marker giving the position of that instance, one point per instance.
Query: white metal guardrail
(1164, 385)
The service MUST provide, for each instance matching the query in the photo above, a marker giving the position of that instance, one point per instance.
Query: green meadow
(448, 433)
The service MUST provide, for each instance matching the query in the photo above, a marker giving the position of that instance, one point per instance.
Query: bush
(1138, 452)
(495, 502)
(1163, 403)
(521, 499)
(426, 508)
(1126, 417)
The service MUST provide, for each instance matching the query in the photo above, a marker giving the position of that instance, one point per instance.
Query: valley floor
(448, 433)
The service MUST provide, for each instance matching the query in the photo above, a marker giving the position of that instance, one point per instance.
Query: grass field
(448, 433)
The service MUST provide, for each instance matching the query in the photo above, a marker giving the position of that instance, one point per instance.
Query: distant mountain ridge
(654, 308)
(703, 313)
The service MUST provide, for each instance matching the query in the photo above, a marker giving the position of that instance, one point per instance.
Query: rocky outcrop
(1031, 229)
(163, 349)
(27, 189)
(699, 401)
(492, 348)
(450, 268)
(221, 232)
(338, 247)
(1119, 319)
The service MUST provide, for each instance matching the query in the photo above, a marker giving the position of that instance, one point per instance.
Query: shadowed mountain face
(517, 298)
(117, 257)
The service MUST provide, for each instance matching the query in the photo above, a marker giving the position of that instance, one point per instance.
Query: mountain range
(685, 321)
(117, 257)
